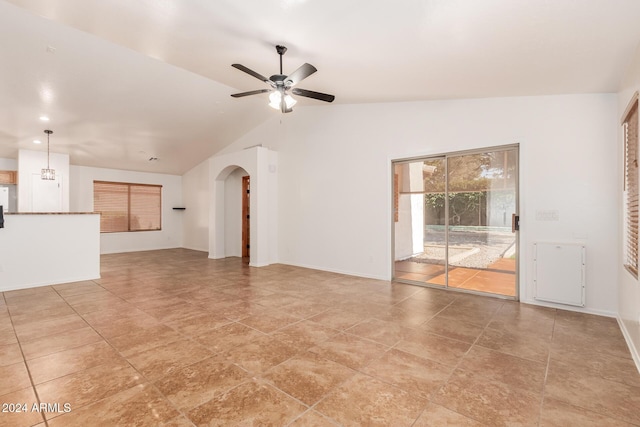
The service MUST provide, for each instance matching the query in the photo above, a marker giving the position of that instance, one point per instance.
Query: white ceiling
(129, 80)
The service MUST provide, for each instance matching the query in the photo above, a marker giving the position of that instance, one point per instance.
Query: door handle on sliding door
(515, 223)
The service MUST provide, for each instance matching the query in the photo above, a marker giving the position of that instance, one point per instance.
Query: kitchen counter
(39, 249)
(52, 213)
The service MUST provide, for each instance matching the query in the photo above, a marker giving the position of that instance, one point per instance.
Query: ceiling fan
(281, 85)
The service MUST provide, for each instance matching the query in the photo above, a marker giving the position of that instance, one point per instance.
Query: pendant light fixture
(48, 173)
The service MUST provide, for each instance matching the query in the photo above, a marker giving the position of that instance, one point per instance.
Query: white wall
(195, 196)
(628, 286)
(30, 165)
(81, 191)
(8, 164)
(335, 177)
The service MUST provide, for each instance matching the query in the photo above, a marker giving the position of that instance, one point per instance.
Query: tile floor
(172, 338)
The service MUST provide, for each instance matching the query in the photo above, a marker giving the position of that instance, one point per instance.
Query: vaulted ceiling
(123, 81)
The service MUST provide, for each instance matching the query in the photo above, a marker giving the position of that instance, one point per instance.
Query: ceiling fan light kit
(282, 85)
(275, 100)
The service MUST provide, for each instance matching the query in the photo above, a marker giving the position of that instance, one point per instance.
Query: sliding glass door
(453, 218)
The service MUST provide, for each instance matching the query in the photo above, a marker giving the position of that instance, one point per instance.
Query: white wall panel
(195, 196)
(559, 272)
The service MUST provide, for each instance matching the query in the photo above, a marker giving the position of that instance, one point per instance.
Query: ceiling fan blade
(311, 94)
(253, 92)
(300, 74)
(250, 72)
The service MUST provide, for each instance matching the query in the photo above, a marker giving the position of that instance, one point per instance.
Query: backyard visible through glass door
(457, 208)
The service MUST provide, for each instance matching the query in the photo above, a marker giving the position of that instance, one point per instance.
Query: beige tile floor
(172, 338)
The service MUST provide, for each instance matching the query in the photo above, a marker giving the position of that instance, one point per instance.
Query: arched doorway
(225, 230)
(237, 214)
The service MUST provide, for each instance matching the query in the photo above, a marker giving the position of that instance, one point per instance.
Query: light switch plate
(548, 215)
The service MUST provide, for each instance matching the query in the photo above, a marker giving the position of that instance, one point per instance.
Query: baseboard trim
(598, 312)
(335, 270)
(124, 251)
(632, 348)
(195, 249)
(54, 282)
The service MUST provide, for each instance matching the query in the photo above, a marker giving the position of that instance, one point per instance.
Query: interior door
(246, 191)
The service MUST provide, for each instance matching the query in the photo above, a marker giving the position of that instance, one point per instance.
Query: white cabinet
(559, 272)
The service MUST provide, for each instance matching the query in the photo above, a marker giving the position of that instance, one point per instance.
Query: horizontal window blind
(144, 207)
(127, 207)
(630, 128)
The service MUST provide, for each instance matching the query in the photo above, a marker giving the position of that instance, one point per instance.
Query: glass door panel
(481, 201)
(435, 237)
(420, 233)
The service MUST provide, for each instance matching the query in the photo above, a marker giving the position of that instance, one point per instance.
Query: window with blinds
(630, 132)
(127, 207)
